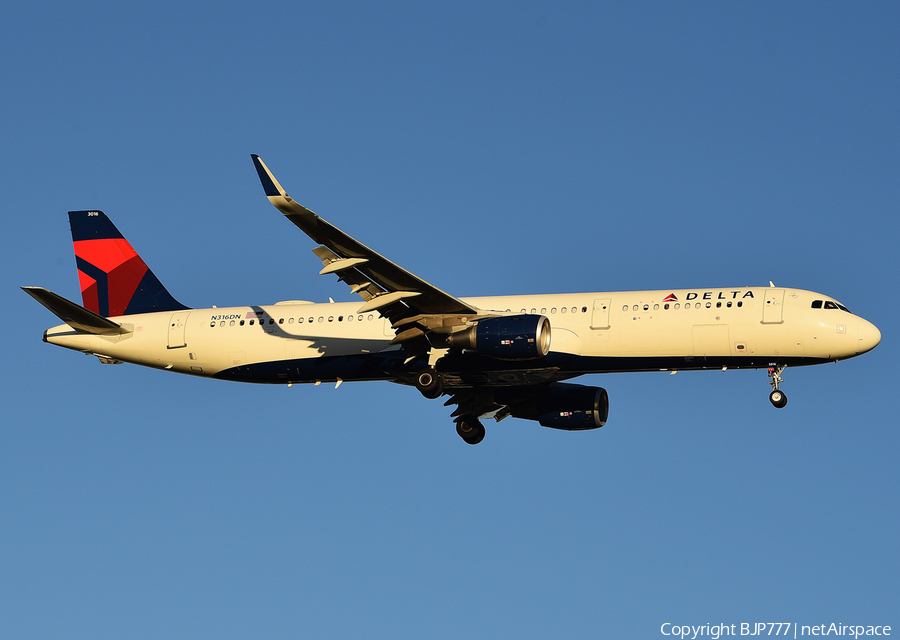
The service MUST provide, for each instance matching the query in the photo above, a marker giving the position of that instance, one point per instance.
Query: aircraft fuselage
(298, 342)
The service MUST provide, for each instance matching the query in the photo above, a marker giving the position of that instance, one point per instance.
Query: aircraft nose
(869, 336)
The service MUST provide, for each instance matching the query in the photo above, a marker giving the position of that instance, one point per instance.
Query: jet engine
(570, 407)
(521, 337)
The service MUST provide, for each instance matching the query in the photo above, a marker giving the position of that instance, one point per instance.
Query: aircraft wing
(384, 286)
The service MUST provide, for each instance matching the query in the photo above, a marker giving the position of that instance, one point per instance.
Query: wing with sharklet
(414, 306)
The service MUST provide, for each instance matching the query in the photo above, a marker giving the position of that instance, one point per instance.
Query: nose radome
(869, 336)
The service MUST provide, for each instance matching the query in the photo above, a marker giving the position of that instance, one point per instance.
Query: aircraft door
(177, 325)
(773, 306)
(600, 314)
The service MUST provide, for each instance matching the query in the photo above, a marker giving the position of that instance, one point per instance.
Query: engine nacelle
(570, 407)
(521, 337)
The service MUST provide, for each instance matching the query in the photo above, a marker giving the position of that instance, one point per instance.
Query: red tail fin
(114, 280)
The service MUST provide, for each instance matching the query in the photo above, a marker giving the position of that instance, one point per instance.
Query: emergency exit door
(177, 324)
(773, 306)
(600, 314)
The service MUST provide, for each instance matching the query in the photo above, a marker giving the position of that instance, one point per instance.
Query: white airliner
(492, 357)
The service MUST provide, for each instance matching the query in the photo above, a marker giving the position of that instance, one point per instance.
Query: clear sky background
(489, 148)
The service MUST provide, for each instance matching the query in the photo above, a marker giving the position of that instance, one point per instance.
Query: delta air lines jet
(490, 357)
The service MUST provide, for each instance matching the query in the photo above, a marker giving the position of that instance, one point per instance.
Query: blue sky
(489, 148)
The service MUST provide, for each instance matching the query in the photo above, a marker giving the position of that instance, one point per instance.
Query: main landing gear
(777, 397)
(470, 429)
(429, 383)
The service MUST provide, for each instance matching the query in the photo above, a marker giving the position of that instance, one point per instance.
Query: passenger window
(677, 306)
(740, 303)
(625, 307)
(213, 323)
(656, 307)
(280, 320)
(251, 323)
(816, 304)
(231, 324)
(728, 304)
(553, 310)
(242, 323)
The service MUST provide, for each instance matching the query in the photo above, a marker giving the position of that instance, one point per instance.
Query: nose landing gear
(777, 397)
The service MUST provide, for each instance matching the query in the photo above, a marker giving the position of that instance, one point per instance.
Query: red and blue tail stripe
(114, 280)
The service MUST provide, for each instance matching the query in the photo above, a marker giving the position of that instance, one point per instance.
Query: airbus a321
(490, 357)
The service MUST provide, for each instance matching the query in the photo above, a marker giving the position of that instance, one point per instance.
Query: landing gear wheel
(778, 399)
(470, 429)
(429, 383)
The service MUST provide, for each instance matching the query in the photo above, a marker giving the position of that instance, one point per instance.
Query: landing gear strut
(777, 397)
(470, 429)
(429, 383)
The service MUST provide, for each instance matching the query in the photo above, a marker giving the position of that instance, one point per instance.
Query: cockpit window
(829, 304)
(834, 305)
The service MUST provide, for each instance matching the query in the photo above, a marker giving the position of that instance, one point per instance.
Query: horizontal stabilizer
(75, 315)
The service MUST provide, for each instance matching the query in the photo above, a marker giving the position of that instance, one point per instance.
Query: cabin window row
(687, 305)
(310, 320)
(554, 310)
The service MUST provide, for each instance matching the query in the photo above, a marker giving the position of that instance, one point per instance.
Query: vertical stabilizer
(114, 280)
